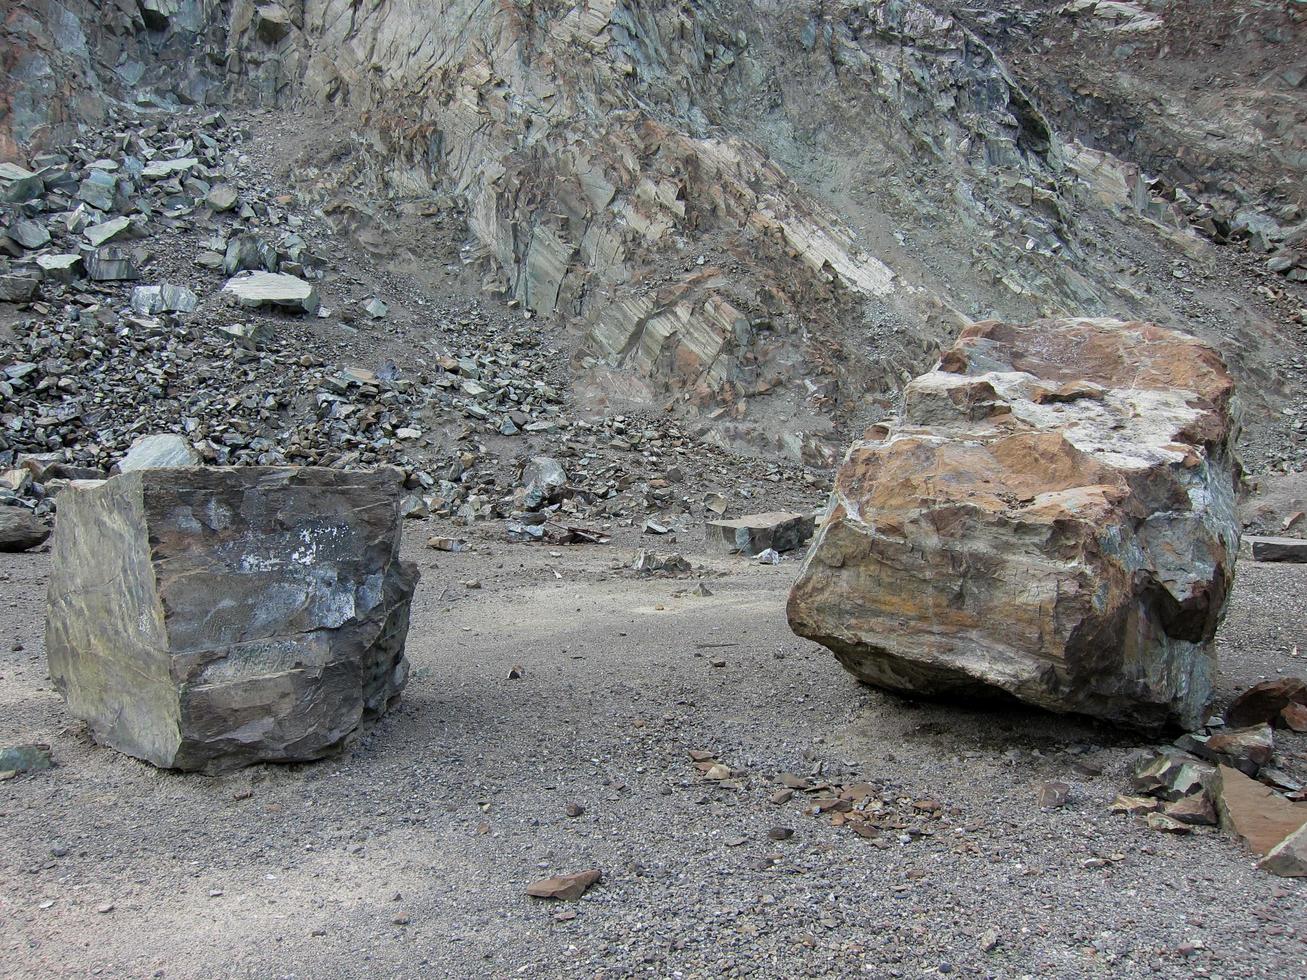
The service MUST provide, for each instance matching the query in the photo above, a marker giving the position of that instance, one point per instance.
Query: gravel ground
(409, 855)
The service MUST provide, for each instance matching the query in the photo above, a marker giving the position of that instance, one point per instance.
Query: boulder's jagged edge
(1053, 519)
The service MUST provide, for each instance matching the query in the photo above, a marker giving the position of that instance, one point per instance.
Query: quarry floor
(409, 854)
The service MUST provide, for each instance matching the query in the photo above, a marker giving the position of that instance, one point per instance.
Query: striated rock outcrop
(1053, 519)
(207, 619)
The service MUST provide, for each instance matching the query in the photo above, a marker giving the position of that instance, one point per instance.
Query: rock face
(1053, 519)
(207, 619)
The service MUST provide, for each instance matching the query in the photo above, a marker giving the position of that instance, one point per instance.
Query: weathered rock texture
(762, 216)
(1053, 518)
(212, 618)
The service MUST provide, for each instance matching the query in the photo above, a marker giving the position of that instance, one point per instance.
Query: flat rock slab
(755, 533)
(274, 289)
(1254, 812)
(207, 619)
(1276, 549)
(1053, 519)
(158, 452)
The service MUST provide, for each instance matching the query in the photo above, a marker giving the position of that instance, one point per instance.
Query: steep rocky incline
(764, 217)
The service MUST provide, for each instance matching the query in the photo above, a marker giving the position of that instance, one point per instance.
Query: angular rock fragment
(17, 285)
(1263, 703)
(149, 300)
(18, 185)
(24, 758)
(106, 231)
(1256, 813)
(1278, 549)
(157, 452)
(1246, 749)
(221, 197)
(60, 267)
(111, 263)
(755, 533)
(206, 619)
(20, 530)
(1288, 859)
(274, 289)
(28, 233)
(568, 887)
(543, 481)
(1053, 519)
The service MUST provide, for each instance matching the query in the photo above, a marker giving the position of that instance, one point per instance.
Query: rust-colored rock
(1263, 703)
(1256, 813)
(568, 887)
(1053, 519)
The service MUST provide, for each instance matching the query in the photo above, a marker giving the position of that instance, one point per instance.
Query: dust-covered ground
(409, 854)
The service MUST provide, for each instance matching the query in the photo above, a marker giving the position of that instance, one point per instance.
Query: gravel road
(409, 855)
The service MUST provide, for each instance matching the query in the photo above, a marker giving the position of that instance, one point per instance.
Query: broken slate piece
(754, 533)
(160, 451)
(1256, 813)
(221, 197)
(1277, 549)
(111, 263)
(274, 289)
(20, 529)
(149, 300)
(17, 285)
(28, 233)
(567, 887)
(1265, 702)
(106, 231)
(160, 169)
(25, 758)
(18, 185)
(60, 267)
(1246, 749)
(210, 618)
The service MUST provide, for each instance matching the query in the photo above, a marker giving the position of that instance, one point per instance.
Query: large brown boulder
(1053, 518)
(212, 618)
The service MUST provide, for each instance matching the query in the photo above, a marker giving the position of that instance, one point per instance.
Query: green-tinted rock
(212, 618)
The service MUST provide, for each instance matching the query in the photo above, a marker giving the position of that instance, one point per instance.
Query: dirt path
(408, 855)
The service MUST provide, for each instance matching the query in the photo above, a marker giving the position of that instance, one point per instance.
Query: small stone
(447, 544)
(780, 833)
(1289, 857)
(567, 887)
(1168, 825)
(1246, 749)
(25, 758)
(1135, 805)
(1262, 703)
(574, 809)
(1053, 795)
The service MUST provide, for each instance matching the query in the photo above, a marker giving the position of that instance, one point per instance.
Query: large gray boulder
(210, 618)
